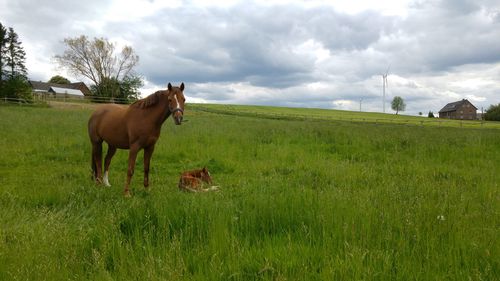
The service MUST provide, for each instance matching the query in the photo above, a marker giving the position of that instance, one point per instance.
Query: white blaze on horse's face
(176, 102)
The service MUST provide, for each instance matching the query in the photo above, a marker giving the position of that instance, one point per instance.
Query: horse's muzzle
(178, 120)
(177, 116)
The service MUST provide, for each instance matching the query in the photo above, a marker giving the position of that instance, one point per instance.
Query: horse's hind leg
(94, 168)
(97, 161)
(132, 155)
(107, 162)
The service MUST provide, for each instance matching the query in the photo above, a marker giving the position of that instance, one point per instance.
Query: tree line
(111, 73)
(13, 72)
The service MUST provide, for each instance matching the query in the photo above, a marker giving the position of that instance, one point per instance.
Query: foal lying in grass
(194, 181)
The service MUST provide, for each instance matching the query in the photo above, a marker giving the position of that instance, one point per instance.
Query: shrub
(492, 113)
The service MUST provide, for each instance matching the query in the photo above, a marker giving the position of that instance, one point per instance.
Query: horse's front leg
(107, 162)
(148, 152)
(132, 155)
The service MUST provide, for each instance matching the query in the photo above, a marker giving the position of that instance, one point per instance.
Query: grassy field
(300, 200)
(309, 114)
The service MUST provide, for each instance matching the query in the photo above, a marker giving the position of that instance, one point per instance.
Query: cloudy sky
(327, 54)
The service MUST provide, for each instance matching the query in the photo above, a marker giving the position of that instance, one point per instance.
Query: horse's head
(205, 175)
(176, 101)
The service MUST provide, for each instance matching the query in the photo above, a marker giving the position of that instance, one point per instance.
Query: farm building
(58, 92)
(462, 110)
(72, 90)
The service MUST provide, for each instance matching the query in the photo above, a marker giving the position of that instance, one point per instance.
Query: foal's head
(205, 175)
(176, 101)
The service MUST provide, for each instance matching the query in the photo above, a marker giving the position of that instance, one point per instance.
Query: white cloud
(387, 7)
(343, 104)
(133, 10)
(312, 49)
(472, 83)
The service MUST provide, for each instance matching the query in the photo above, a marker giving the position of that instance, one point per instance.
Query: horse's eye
(184, 99)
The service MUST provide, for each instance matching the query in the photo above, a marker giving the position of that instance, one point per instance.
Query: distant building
(58, 92)
(72, 90)
(461, 110)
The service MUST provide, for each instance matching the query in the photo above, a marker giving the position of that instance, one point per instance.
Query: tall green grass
(299, 200)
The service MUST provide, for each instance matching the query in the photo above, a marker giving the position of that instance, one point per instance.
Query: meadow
(309, 114)
(299, 199)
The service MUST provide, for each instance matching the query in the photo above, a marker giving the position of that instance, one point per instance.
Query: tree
(13, 72)
(58, 79)
(129, 87)
(118, 91)
(17, 87)
(3, 44)
(430, 115)
(492, 113)
(398, 104)
(16, 56)
(96, 60)
(107, 90)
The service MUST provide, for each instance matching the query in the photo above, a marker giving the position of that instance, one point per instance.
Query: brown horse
(135, 127)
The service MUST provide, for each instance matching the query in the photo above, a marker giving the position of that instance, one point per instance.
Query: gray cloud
(225, 45)
(250, 44)
(443, 34)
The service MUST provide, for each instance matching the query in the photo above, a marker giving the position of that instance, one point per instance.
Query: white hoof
(105, 179)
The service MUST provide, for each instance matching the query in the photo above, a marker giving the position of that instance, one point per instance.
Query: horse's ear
(182, 86)
(205, 169)
(169, 87)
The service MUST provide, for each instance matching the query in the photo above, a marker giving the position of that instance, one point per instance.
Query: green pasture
(300, 198)
(341, 115)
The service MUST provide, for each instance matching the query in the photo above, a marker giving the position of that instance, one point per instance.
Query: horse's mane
(148, 101)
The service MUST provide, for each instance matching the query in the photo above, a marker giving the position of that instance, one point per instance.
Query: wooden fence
(40, 99)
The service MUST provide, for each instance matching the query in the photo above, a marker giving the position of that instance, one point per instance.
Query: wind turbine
(385, 84)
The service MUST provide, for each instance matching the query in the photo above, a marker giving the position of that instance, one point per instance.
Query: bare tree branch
(96, 59)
